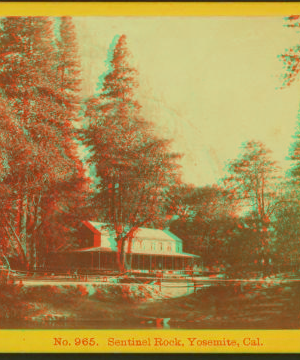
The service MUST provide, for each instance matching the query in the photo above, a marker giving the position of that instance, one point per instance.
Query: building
(150, 250)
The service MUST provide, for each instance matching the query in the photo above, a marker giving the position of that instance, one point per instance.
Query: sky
(208, 83)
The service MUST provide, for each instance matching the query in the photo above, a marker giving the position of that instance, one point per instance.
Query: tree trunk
(16, 239)
(34, 235)
(124, 257)
(23, 235)
(128, 256)
(120, 254)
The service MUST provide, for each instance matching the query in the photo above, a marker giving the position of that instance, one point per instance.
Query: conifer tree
(134, 166)
(71, 196)
(252, 181)
(44, 105)
(291, 64)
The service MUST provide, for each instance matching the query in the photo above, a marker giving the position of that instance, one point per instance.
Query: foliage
(202, 217)
(290, 57)
(40, 105)
(252, 180)
(286, 227)
(134, 166)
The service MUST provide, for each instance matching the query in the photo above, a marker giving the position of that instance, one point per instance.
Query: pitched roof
(140, 233)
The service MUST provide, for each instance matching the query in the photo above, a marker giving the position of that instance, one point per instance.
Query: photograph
(150, 174)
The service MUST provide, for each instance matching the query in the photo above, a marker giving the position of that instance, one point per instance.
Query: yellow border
(148, 9)
(271, 341)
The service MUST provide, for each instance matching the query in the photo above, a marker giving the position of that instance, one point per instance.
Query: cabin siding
(150, 250)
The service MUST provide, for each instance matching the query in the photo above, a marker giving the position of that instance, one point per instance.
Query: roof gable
(140, 233)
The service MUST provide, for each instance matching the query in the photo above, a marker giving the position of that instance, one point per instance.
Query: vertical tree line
(39, 82)
(45, 190)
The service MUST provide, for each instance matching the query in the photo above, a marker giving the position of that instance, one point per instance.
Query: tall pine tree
(44, 102)
(133, 165)
(291, 65)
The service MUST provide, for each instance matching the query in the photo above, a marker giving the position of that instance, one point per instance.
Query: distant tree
(252, 182)
(287, 235)
(134, 166)
(242, 250)
(202, 217)
(209, 221)
(291, 55)
(291, 64)
(287, 214)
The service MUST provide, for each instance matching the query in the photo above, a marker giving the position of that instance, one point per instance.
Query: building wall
(155, 246)
(103, 239)
(86, 237)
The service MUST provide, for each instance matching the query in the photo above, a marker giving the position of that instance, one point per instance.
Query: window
(138, 244)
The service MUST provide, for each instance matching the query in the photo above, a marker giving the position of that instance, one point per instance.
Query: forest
(66, 158)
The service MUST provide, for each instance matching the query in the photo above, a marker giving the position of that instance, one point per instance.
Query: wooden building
(151, 250)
